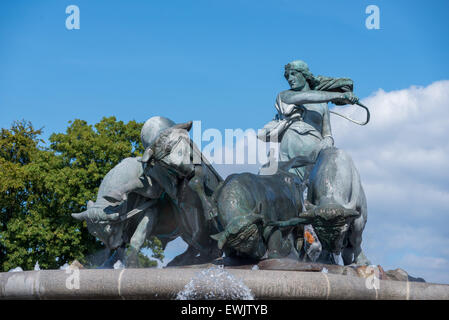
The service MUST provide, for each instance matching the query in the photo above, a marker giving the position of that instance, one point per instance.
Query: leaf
(40, 185)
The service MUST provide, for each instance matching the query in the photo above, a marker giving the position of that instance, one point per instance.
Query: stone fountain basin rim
(165, 283)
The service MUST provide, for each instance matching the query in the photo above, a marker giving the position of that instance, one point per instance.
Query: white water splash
(215, 283)
(36, 266)
(65, 266)
(17, 269)
(119, 265)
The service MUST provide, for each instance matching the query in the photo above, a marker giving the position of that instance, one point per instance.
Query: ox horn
(83, 215)
(96, 214)
(308, 214)
(350, 213)
(221, 239)
(186, 126)
(308, 205)
(148, 153)
(293, 222)
(303, 218)
(80, 216)
(254, 218)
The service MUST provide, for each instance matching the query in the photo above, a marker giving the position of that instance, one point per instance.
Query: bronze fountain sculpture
(248, 215)
(301, 212)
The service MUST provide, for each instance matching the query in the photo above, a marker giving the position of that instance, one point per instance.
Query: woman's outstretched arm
(313, 96)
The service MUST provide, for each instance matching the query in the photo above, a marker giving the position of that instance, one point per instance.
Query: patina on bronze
(246, 215)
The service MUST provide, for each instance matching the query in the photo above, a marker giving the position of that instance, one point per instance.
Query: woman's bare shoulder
(283, 95)
(287, 92)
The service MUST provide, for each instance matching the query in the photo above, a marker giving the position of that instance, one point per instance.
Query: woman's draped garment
(297, 137)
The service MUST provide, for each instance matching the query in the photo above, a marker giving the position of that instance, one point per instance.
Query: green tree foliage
(156, 247)
(40, 186)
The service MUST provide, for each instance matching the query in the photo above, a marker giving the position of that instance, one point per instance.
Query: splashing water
(119, 265)
(17, 269)
(36, 266)
(215, 283)
(64, 267)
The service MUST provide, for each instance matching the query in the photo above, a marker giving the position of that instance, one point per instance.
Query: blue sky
(221, 62)
(218, 61)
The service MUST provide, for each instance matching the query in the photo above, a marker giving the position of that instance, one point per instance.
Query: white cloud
(434, 268)
(403, 158)
(408, 131)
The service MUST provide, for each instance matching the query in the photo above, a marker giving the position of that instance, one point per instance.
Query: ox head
(243, 234)
(173, 149)
(107, 227)
(331, 223)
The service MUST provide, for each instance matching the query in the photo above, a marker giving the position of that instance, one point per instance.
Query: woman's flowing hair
(321, 83)
(311, 79)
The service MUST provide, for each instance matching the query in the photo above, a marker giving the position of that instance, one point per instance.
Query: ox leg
(192, 220)
(348, 255)
(277, 246)
(139, 185)
(116, 255)
(143, 231)
(353, 253)
(202, 248)
(197, 184)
